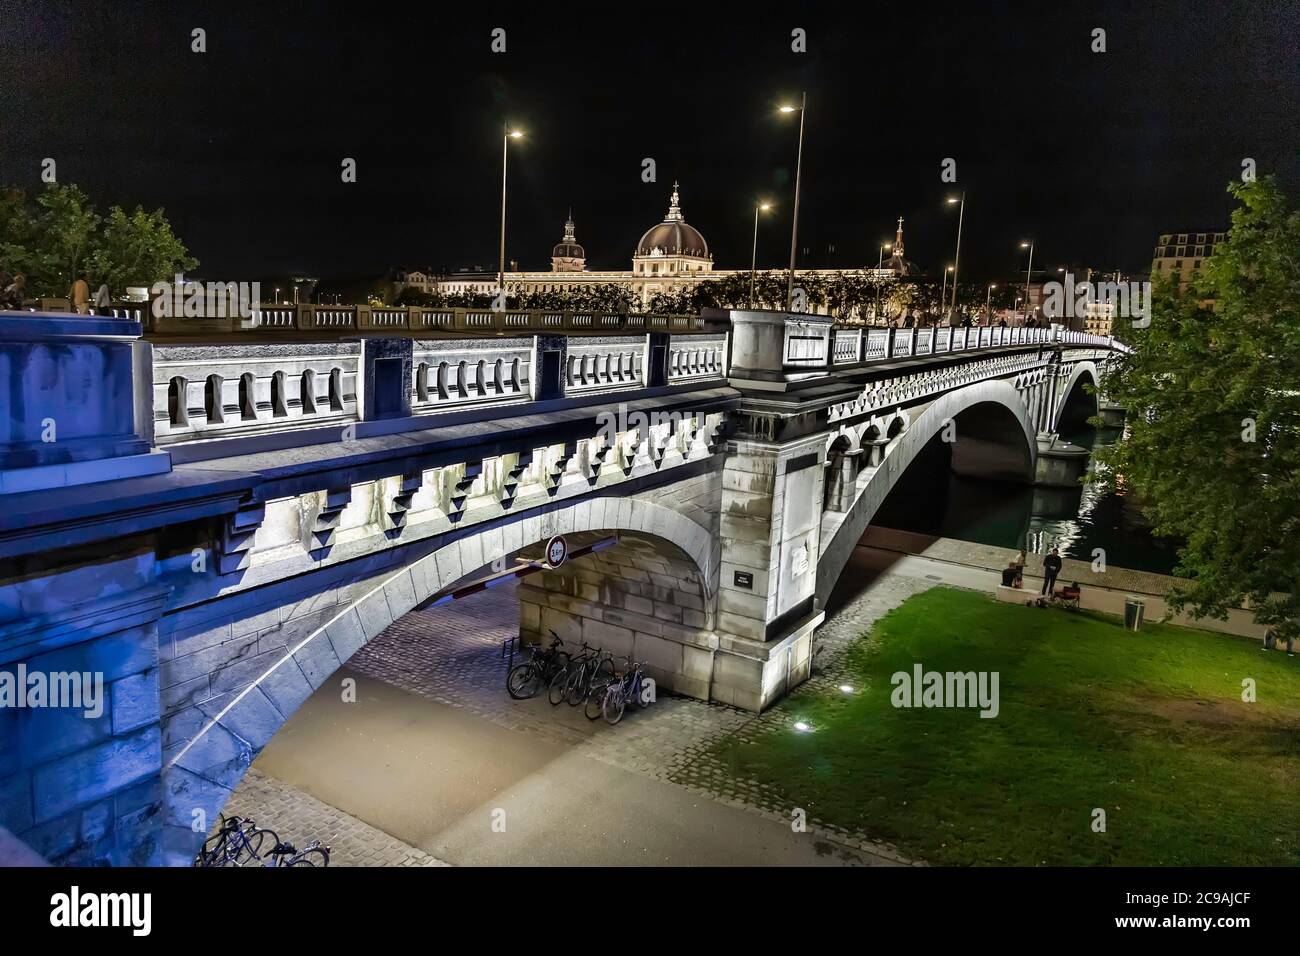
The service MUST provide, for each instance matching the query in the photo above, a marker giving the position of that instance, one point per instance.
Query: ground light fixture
(801, 726)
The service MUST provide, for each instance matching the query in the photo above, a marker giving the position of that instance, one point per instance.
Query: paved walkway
(433, 752)
(299, 818)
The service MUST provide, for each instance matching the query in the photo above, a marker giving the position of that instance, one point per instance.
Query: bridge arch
(1076, 405)
(990, 416)
(204, 773)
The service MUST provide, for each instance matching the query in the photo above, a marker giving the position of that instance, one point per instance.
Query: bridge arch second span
(994, 437)
(209, 765)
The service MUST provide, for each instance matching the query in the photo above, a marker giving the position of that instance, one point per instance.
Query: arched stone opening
(1079, 401)
(672, 561)
(1002, 440)
(842, 465)
(643, 597)
(987, 442)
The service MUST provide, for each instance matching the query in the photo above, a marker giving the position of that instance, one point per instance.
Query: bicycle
(313, 854)
(621, 691)
(584, 678)
(557, 690)
(526, 679)
(236, 843)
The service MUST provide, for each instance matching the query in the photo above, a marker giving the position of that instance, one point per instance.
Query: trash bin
(1133, 609)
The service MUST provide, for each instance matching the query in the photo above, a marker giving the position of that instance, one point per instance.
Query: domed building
(671, 257)
(672, 247)
(567, 255)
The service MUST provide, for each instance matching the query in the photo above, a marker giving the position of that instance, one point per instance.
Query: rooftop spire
(898, 239)
(674, 207)
(568, 227)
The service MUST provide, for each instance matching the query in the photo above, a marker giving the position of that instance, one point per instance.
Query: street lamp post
(802, 108)
(507, 135)
(753, 257)
(988, 303)
(961, 215)
(943, 295)
(1028, 244)
(880, 266)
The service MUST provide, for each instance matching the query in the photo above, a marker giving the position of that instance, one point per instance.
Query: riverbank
(1104, 591)
(1103, 748)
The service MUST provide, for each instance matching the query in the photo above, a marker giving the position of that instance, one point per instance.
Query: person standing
(1051, 568)
(79, 295)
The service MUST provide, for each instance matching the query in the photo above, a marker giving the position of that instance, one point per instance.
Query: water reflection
(932, 500)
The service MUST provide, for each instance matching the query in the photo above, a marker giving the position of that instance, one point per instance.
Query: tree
(58, 234)
(137, 249)
(1212, 392)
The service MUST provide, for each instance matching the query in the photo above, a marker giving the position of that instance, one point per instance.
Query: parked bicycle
(313, 854)
(236, 843)
(623, 690)
(527, 678)
(558, 687)
(597, 669)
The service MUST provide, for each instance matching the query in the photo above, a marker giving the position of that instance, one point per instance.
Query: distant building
(1179, 255)
(671, 255)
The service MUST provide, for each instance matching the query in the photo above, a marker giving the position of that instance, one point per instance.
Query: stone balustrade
(697, 358)
(216, 391)
(455, 373)
(857, 345)
(270, 319)
(604, 363)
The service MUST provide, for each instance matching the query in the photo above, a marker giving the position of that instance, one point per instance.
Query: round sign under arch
(557, 551)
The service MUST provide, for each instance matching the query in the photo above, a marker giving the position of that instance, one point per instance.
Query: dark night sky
(1092, 155)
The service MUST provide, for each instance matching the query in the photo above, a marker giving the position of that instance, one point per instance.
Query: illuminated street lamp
(507, 135)
(961, 215)
(988, 302)
(943, 296)
(1028, 244)
(802, 109)
(880, 267)
(753, 258)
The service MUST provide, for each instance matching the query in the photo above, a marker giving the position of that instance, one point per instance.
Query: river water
(930, 499)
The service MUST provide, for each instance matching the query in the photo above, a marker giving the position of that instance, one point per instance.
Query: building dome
(567, 255)
(673, 237)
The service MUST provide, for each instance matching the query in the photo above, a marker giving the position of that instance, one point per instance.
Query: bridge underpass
(234, 521)
(433, 746)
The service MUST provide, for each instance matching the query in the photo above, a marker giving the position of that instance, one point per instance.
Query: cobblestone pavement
(452, 654)
(299, 818)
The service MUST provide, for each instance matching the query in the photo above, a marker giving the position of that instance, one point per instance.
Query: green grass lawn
(1151, 727)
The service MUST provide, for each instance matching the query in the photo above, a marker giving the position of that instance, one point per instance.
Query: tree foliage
(56, 234)
(1212, 392)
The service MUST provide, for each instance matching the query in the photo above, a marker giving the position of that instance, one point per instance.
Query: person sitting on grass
(1011, 575)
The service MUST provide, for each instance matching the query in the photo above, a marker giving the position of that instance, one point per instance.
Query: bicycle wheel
(595, 702)
(579, 685)
(213, 850)
(317, 856)
(559, 687)
(557, 663)
(615, 703)
(524, 681)
(250, 850)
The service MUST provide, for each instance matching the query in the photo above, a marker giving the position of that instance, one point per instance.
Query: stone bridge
(208, 519)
